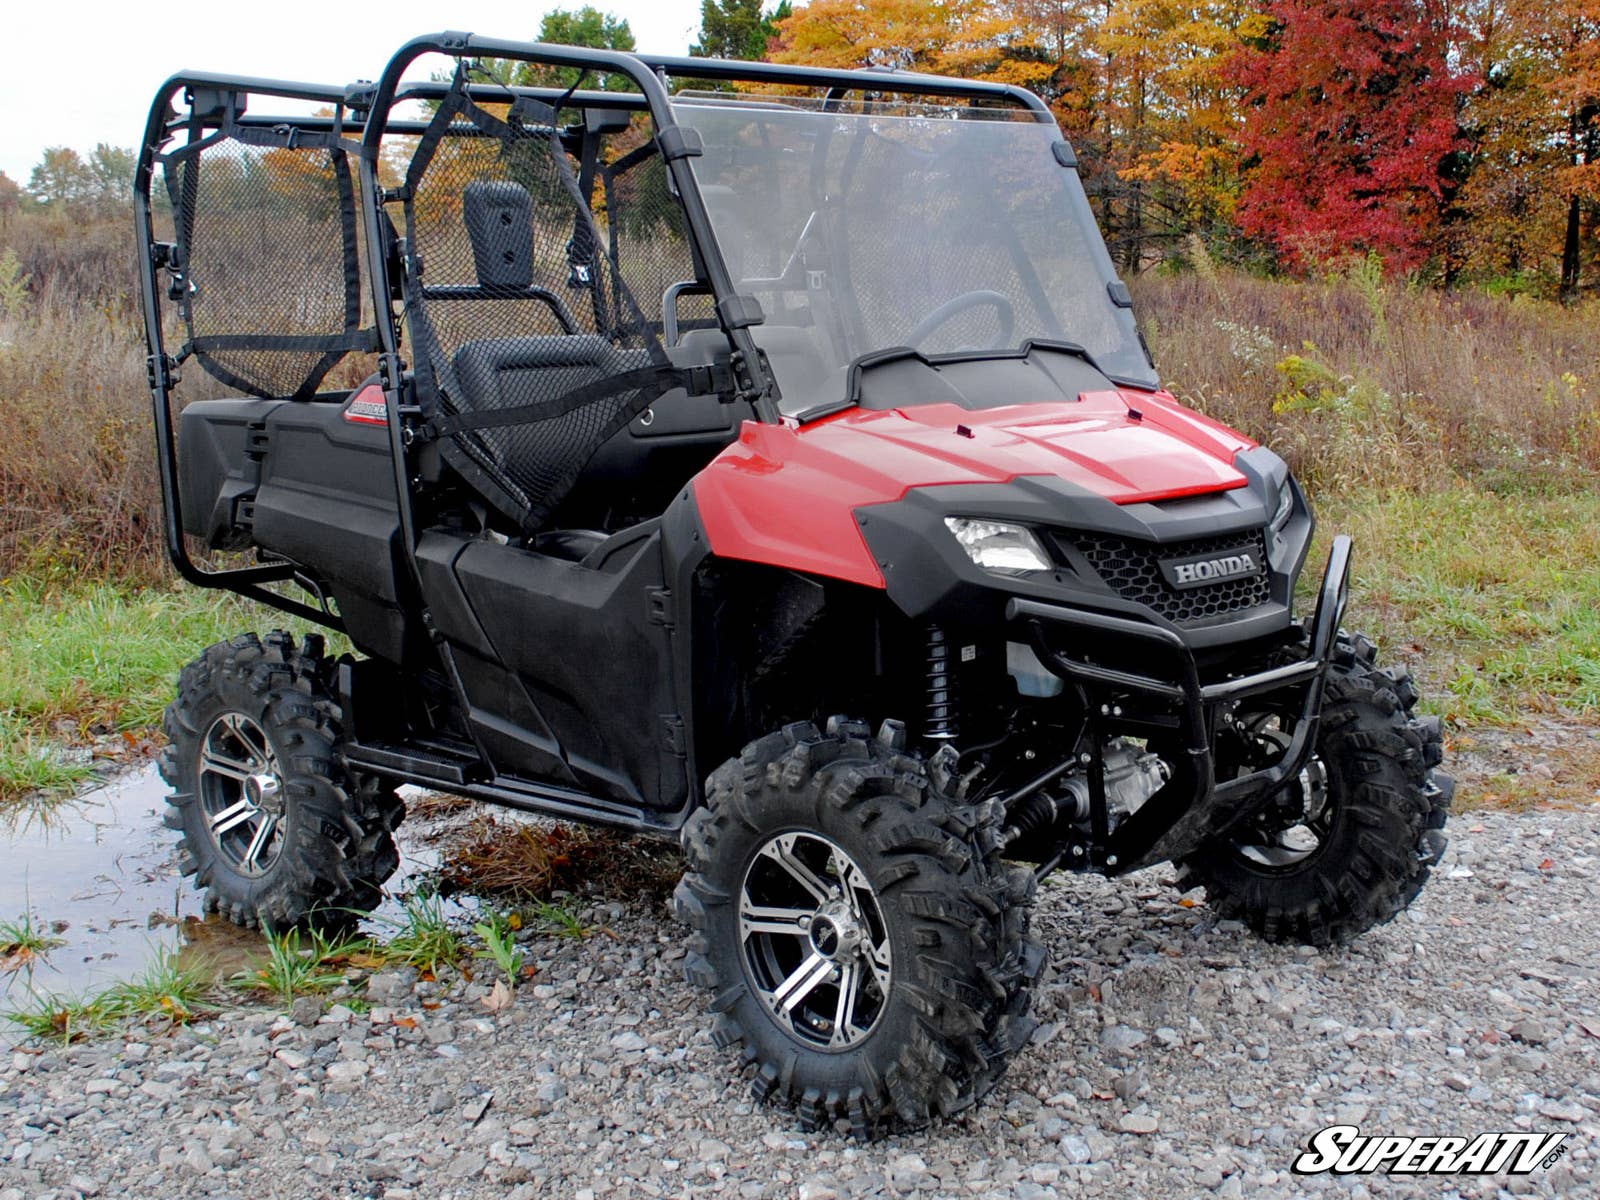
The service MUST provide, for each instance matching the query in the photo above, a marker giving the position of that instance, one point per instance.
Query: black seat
(538, 458)
(526, 468)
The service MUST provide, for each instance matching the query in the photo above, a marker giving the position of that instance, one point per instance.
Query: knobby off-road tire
(951, 916)
(1388, 810)
(268, 703)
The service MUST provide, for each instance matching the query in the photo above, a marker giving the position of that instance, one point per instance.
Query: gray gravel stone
(1205, 1064)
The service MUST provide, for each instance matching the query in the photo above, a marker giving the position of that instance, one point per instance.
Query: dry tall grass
(77, 474)
(1364, 385)
(1370, 386)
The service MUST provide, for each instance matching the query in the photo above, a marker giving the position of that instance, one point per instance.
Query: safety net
(267, 274)
(530, 346)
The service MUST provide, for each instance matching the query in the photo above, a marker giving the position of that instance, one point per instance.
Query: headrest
(499, 218)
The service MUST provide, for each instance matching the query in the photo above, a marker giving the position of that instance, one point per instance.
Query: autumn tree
(1536, 129)
(111, 171)
(1171, 116)
(954, 37)
(11, 197)
(1350, 127)
(61, 179)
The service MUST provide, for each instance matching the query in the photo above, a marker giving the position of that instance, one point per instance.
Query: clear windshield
(949, 230)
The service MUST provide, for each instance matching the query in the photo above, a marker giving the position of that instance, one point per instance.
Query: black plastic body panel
(567, 667)
(1041, 376)
(930, 577)
(216, 472)
(302, 483)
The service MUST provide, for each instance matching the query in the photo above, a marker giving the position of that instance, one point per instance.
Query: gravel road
(1177, 1057)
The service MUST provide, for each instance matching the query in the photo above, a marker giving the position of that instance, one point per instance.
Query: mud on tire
(956, 1008)
(333, 846)
(1386, 833)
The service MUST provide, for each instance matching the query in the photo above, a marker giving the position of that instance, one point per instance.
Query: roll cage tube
(735, 313)
(163, 122)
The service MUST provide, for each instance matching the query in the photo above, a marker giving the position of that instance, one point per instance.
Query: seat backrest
(503, 372)
(498, 214)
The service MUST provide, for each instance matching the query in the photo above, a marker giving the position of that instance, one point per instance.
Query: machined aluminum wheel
(241, 793)
(815, 943)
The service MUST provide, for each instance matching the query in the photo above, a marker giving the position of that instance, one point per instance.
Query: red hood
(787, 495)
(1125, 447)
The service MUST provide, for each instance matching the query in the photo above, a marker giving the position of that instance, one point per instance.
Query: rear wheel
(1351, 842)
(274, 828)
(864, 943)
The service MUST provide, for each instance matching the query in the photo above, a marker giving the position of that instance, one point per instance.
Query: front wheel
(853, 920)
(1351, 842)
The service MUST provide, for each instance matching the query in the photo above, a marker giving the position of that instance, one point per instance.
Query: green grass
(500, 945)
(1496, 596)
(558, 920)
(22, 943)
(76, 657)
(166, 988)
(296, 968)
(423, 937)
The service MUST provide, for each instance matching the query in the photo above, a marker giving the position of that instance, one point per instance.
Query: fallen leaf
(1547, 864)
(406, 1022)
(14, 958)
(366, 960)
(500, 997)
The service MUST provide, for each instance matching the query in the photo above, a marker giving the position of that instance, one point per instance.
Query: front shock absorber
(941, 722)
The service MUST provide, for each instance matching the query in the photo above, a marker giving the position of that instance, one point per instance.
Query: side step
(429, 763)
(442, 765)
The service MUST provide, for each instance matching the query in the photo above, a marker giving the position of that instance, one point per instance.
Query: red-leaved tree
(1351, 120)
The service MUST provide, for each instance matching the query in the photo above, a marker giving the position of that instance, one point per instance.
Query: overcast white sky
(78, 73)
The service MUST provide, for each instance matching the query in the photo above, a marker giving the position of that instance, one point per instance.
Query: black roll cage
(367, 107)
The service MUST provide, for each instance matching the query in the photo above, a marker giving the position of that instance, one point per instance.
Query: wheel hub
(1286, 837)
(814, 941)
(834, 932)
(265, 791)
(241, 793)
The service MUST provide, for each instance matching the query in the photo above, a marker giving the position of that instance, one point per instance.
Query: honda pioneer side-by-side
(760, 456)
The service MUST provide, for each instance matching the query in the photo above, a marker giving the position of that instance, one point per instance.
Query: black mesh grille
(1133, 569)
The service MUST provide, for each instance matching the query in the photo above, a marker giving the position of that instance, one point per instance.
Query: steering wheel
(960, 304)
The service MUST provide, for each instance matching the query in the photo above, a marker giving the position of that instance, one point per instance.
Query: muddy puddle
(99, 873)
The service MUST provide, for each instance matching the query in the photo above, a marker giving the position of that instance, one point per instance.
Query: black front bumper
(1173, 823)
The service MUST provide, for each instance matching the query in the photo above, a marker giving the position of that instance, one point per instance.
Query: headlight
(998, 546)
(1285, 507)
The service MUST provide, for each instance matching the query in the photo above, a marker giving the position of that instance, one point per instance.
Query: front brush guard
(1169, 827)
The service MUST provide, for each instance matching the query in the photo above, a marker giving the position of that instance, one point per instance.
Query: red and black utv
(775, 467)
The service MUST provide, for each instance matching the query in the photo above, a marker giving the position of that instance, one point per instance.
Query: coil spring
(941, 723)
